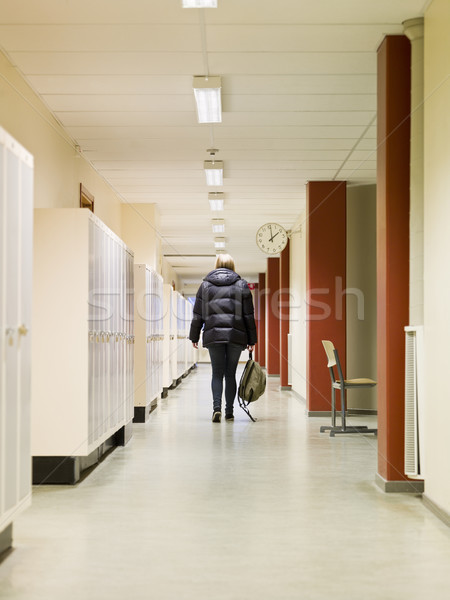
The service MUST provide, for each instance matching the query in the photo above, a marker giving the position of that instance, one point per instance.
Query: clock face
(271, 238)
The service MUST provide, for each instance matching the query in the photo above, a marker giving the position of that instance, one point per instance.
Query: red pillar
(284, 317)
(272, 316)
(261, 323)
(393, 143)
(256, 306)
(326, 282)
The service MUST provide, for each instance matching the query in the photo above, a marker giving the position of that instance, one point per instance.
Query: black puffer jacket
(224, 306)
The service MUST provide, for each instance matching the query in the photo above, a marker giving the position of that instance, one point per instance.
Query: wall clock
(271, 238)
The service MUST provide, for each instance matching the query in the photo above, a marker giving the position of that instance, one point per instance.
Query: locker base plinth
(124, 434)
(57, 469)
(165, 392)
(68, 470)
(5, 539)
(142, 413)
(175, 383)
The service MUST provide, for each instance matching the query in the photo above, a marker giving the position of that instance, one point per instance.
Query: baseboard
(285, 388)
(175, 383)
(272, 375)
(165, 392)
(68, 470)
(439, 512)
(123, 435)
(142, 413)
(298, 396)
(6, 539)
(362, 411)
(399, 487)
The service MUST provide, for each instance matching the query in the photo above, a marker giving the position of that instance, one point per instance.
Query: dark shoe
(229, 417)
(216, 416)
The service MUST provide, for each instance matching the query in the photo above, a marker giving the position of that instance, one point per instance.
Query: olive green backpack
(252, 384)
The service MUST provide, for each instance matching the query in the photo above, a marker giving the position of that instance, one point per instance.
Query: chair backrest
(329, 349)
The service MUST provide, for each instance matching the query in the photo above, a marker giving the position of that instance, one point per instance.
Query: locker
(166, 349)
(84, 337)
(149, 340)
(16, 234)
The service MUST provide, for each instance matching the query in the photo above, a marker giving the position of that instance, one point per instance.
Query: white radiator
(414, 421)
(16, 235)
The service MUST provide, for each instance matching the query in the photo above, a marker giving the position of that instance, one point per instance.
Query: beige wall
(169, 275)
(297, 326)
(140, 231)
(59, 169)
(361, 292)
(437, 252)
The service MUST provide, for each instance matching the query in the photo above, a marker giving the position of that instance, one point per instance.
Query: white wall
(297, 326)
(59, 168)
(437, 253)
(361, 284)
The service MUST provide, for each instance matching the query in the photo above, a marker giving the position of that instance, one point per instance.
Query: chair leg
(324, 428)
(343, 408)
(351, 429)
(333, 407)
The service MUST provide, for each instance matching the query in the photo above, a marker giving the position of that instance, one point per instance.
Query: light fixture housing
(213, 172)
(219, 243)
(218, 226)
(216, 200)
(208, 98)
(199, 3)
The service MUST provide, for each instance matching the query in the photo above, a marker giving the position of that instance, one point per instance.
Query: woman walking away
(224, 306)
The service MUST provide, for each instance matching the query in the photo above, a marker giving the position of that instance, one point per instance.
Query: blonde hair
(224, 261)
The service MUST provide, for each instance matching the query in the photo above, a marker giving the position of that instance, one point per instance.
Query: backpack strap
(245, 409)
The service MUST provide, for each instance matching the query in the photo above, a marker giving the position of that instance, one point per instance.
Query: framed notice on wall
(86, 198)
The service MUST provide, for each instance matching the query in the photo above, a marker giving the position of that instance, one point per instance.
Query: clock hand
(271, 239)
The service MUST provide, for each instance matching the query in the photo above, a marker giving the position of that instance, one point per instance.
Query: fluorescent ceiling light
(213, 172)
(199, 3)
(216, 200)
(219, 242)
(207, 97)
(218, 226)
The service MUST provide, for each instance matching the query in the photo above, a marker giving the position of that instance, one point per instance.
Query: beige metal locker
(16, 234)
(83, 343)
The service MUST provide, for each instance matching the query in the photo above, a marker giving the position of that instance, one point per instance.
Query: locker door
(3, 338)
(12, 316)
(24, 337)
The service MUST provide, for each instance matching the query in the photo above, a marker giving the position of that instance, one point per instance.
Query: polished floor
(237, 510)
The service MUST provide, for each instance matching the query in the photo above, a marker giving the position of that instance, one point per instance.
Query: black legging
(224, 362)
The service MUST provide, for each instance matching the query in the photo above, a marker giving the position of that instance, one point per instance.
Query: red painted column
(284, 317)
(261, 323)
(273, 317)
(326, 282)
(256, 306)
(393, 143)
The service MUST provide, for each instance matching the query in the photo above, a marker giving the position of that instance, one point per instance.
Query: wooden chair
(343, 385)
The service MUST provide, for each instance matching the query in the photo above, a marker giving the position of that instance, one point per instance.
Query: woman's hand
(251, 348)
(195, 344)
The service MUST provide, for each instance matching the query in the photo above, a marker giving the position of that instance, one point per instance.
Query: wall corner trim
(399, 487)
(439, 512)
